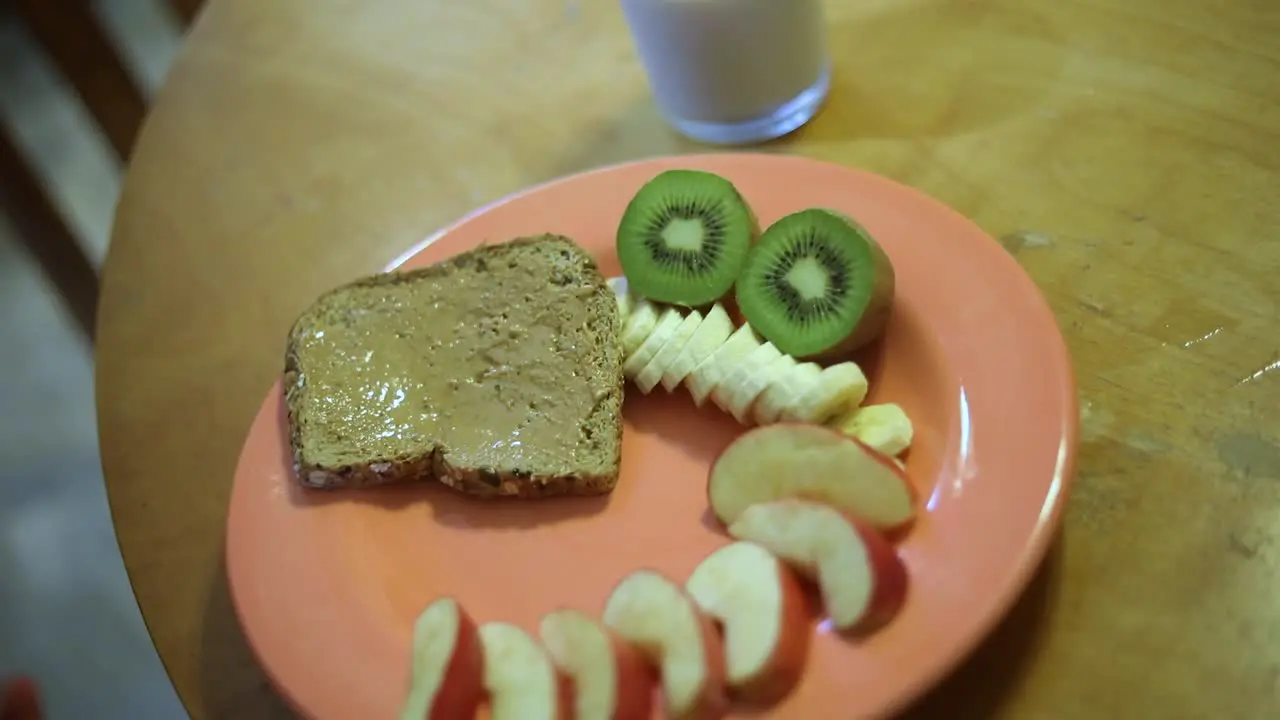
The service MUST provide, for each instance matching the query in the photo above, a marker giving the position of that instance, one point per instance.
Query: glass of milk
(733, 71)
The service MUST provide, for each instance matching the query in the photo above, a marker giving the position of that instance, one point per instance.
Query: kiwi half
(816, 285)
(684, 237)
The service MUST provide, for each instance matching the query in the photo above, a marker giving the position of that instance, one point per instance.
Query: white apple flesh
(793, 460)
(611, 679)
(448, 665)
(660, 620)
(760, 606)
(862, 579)
(521, 680)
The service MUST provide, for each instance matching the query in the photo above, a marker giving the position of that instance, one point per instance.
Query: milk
(732, 71)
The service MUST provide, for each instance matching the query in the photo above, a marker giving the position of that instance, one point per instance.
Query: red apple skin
(718, 478)
(563, 685)
(634, 677)
(636, 681)
(884, 569)
(782, 671)
(891, 579)
(567, 696)
(892, 463)
(896, 533)
(793, 649)
(461, 688)
(712, 702)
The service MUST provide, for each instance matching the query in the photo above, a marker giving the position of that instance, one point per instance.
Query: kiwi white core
(809, 277)
(684, 234)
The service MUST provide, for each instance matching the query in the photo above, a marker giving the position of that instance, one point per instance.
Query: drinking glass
(733, 71)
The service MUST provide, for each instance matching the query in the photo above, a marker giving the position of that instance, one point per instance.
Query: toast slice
(497, 372)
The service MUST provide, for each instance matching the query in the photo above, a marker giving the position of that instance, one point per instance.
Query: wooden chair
(71, 36)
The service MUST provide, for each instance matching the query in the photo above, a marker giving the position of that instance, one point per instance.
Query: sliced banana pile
(747, 376)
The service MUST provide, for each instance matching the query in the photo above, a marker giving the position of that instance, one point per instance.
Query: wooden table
(1127, 151)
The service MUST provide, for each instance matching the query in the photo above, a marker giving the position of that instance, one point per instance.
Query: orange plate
(327, 585)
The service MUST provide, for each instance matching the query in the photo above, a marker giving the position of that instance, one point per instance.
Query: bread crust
(431, 464)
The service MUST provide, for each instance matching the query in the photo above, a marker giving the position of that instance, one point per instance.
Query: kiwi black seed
(684, 237)
(816, 285)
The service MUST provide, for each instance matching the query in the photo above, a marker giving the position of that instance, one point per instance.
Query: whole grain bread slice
(497, 372)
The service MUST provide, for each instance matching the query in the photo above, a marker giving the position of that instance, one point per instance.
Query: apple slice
(662, 622)
(520, 678)
(761, 609)
(611, 679)
(448, 664)
(862, 580)
(791, 460)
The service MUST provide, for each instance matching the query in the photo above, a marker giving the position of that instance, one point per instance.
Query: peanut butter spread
(488, 365)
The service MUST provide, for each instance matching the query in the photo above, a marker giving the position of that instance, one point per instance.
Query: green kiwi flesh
(683, 238)
(816, 285)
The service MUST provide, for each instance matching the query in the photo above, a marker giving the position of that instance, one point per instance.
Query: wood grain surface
(1126, 151)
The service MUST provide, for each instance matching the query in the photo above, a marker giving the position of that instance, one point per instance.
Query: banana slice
(638, 326)
(838, 387)
(784, 387)
(744, 383)
(648, 377)
(621, 291)
(708, 374)
(715, 329)
(663, 331)
(884, 427)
